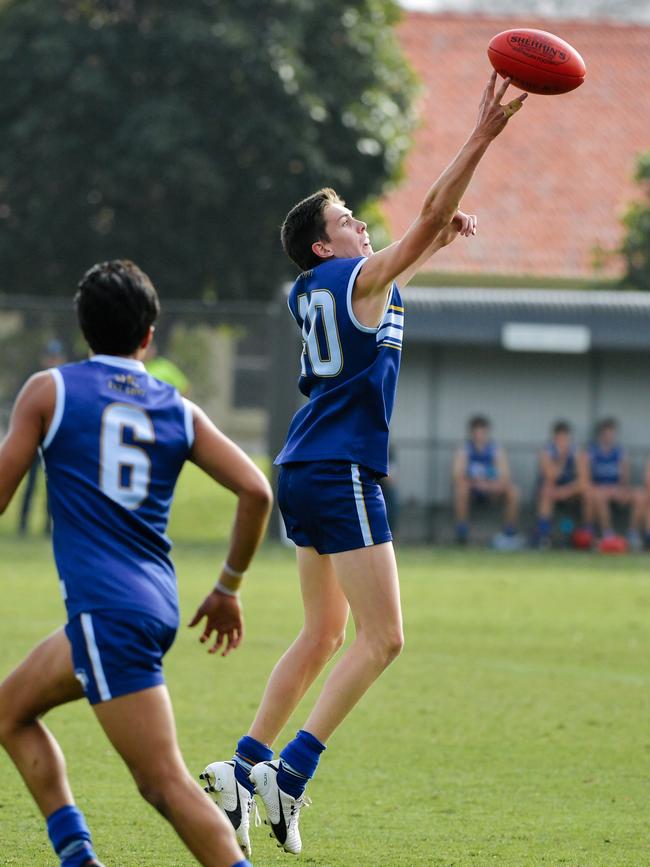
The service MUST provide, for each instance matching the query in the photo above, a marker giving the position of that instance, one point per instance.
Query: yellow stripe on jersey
(395, 307)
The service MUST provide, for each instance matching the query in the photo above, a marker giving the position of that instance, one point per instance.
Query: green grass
(512, 731)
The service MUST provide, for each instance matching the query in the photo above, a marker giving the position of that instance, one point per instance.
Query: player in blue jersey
(114, 440)
(562, 478)
(608, 475)
(481, 475)
(347, 304)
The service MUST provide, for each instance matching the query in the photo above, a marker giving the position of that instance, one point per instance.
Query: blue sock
(298, 763)
(243, 864)
(509, 530)
(249, 752)
(70, 836)
(543, 527)
(462, 530)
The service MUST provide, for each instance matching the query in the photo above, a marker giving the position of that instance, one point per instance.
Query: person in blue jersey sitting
(348, 307)
(562, 479)
(481, 476)
(608, 475)
(114, 440)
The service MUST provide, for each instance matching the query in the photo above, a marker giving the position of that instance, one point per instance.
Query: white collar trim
(118, 361)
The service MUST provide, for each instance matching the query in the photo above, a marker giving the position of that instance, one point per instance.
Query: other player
(562, 478)
(348, 306)
(481, 475)
(608, 474)
(114, 441)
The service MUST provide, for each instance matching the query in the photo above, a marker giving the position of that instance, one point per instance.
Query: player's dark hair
(116, 305)
(607, 423)
(561, 426)
(304, 225)
(477, 421)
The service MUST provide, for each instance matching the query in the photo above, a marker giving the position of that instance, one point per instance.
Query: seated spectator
(562, 479)
(608, 475)
(481, 474)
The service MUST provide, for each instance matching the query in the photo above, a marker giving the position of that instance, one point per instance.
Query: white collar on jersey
(119, 361)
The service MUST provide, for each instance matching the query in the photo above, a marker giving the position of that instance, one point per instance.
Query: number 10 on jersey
(320, 333)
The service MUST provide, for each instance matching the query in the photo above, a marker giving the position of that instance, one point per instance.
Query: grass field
(512, 731)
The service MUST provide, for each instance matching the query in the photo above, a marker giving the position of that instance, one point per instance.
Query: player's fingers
(498, 96)
(489, 87)
(218, 643)
(196, 618)
(513, 106)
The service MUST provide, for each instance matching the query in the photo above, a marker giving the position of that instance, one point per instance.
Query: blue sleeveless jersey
(605, 465)
(568, 472)
(113, 453)
(481, 463)
(348, 371)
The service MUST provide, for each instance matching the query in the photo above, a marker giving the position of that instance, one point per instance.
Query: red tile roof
(552, 188)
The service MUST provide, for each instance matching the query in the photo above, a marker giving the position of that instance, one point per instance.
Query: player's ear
(146, 340)
(321, 249)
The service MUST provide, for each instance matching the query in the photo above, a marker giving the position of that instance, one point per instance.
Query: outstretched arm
(227, 464)
(30, 420)
(442, 200)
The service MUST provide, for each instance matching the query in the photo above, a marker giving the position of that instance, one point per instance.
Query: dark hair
(561, 426)
(478, 421)
(116, 305)
(607, 423)
(304, 225)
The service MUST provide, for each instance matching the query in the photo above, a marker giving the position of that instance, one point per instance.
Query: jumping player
(348, 306)
(114, 440)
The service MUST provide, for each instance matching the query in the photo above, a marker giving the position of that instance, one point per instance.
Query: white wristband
(226, 590)
(227, 568)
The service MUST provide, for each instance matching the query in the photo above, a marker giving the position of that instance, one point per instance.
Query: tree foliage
(636, 247)
(179, 134)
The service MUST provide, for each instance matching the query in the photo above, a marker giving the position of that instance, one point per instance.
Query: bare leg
(44, 680)
(141, 728)
(638, 509)
(326, 614)
(461, 500)
(546, 502)
(603, 513)
(368, 577)
(511, 513)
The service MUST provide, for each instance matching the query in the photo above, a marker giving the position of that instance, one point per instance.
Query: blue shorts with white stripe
(117, 652)
(332, 506)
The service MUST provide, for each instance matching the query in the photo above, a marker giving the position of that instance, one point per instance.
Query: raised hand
(492, 115)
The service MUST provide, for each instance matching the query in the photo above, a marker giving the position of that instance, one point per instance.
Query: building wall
(523, 393)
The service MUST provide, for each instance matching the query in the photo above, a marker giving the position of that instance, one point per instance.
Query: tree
(179, 134)
(636, 246)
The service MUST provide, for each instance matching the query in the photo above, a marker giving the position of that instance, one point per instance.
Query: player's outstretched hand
(223, 617)
(463, 225)
(492, 115)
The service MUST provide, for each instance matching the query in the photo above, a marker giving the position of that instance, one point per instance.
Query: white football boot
(283, 811)
(233, 799)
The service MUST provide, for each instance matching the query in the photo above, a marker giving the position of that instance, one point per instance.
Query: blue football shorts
(117, 652)
(332, 506)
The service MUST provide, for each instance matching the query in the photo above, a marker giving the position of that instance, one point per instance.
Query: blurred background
(180, 134)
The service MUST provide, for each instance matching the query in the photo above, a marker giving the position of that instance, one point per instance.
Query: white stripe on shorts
(361, 505)
(95, 660)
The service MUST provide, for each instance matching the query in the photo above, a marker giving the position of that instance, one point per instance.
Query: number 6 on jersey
(125, 469)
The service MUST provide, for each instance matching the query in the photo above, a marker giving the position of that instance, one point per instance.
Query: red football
(536, 61)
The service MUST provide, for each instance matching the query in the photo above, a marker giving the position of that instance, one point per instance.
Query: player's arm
(625, 471)
(583, 467)
(442, 200)
(462, 226)
(30, 419)
(503, 467)
(548, 467)
(227, 464)
(459, 469)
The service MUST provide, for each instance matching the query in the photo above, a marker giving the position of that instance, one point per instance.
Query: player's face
(480, 436)
(562, 441)
(607, 437)
(348, 237)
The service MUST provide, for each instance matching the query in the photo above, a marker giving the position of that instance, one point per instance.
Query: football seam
(544, 69)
